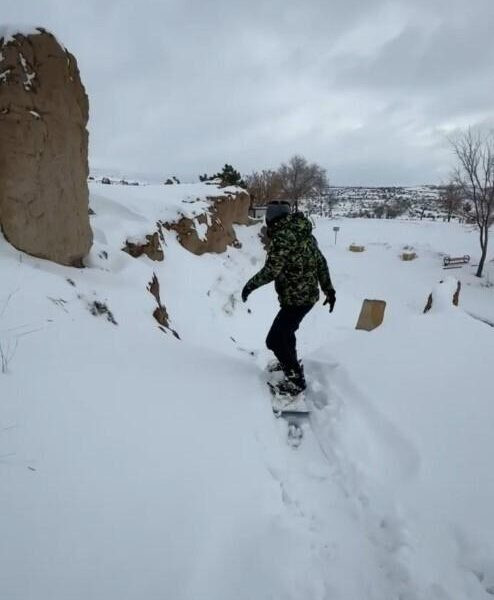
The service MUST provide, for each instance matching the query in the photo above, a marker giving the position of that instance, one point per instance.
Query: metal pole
(335, 229)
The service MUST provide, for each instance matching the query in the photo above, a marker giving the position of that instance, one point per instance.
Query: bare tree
(475, 177)
(321, 204)
(451, 199)
(263, 186)
(302, 180)
(8, 349)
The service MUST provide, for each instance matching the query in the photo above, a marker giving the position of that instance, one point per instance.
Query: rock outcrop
(371, 314)
(43, 149)
(160, 313)
(152, 247)
(226, 211)
(445, 293)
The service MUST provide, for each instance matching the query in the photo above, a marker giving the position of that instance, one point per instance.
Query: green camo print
(294, 262)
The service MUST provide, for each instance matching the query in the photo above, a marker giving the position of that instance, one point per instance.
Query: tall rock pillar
(43, 149)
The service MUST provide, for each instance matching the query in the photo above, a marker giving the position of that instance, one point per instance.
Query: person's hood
(301, 224)
(297, 223)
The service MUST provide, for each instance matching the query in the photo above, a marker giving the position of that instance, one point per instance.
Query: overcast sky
(370, 89)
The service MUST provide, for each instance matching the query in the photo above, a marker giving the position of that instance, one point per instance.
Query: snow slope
(134, 465)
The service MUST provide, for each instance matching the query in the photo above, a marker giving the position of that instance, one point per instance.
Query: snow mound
(443, 294)
(165, 203)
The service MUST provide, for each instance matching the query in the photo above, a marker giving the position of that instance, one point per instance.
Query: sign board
(335, 229)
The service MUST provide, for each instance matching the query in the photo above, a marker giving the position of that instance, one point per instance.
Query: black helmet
(277, 209)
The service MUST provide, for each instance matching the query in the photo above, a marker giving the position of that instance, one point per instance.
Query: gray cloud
(369, 89)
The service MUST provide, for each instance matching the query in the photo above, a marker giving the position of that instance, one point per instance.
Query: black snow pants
(281, 337)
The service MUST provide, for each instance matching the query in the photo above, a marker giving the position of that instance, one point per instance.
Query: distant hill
(417, 202)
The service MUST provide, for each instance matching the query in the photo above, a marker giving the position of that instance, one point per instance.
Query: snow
(162, 202)
(201, 230)
(8, 32)
(29, 76)
(135, 465)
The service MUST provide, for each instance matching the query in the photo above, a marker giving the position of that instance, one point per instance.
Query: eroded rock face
(43, 150)
(226, 211)
(151, 248)
(160, 313)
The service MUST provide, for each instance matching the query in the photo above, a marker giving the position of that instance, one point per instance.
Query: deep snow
(134, 465)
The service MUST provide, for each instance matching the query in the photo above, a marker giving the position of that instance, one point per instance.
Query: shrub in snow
(98, 308)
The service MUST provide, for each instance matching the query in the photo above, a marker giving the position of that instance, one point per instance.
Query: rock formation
(226, 211)
(371, 314)
(43, 149)
(151, 247)
(160, 313)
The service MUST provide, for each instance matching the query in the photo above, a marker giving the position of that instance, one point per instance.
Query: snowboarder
(297, 267)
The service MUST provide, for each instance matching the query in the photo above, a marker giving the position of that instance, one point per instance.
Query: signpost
(335, 229)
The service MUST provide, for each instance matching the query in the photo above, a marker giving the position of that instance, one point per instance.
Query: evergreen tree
(228, 176)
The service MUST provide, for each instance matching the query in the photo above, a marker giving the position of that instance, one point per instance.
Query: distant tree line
(297, 180)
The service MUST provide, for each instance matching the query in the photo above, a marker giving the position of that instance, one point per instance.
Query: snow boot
(293, 384)
(274, 366)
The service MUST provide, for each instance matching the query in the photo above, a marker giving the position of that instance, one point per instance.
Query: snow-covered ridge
(165, 202)
(153, 203)
(8, 32)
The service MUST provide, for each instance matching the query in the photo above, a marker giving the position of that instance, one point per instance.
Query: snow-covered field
(137, 466)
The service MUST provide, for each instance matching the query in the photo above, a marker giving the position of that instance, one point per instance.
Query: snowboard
(293, 409)
(286, 404)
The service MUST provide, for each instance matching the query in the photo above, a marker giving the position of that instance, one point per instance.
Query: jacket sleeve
(273, 266)
(323, 272)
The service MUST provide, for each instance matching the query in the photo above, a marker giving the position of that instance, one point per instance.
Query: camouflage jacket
(294, 262)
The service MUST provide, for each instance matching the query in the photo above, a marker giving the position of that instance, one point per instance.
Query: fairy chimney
(43, 149)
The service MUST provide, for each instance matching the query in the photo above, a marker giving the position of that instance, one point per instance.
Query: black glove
(330, 299)
(245, 293)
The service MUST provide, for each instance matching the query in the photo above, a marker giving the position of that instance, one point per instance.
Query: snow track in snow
(319, 477)
(333, 390)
